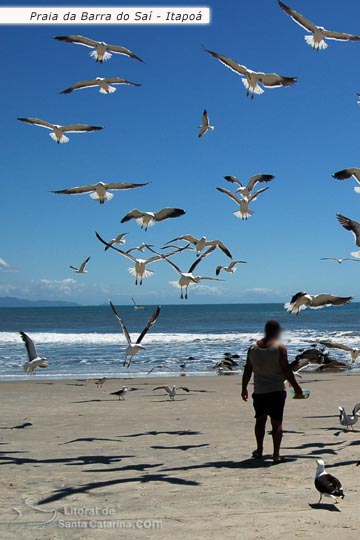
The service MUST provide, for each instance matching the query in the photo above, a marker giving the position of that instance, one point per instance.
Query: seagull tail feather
(318, 45)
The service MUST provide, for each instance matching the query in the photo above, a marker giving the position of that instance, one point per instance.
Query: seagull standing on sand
(120, 393)
(231, 268)
(202, 243)
(102, 51)
(106, 85)
(148, 219)
(349, 420)
(100, 382)
(303, 300)
(34, 360)
(205, 124)
(326, 484)
(354, 227)
(339, 261)
(135, 347)
(332, 345)
(254, 180)
(100, 191)
(244, 211)
(172, 391)
(345, 174)
(82, 267)
(57, 131)
(252, 79)
(318, 33)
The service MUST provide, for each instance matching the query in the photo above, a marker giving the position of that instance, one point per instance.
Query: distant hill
(11, 302)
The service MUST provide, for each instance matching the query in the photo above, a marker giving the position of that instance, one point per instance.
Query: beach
(160, 468)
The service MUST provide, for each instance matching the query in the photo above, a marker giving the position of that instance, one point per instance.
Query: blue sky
(300, 134)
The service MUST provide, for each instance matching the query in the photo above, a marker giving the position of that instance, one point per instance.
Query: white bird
(139, 270)
(148, 219)
(135, 347)
(345, 174)
(205, 124)
(354, 352)
(254, 180)
(231, 268)
(120, 393)
(57, 131)
(326, 484)
(201, 243)
(354, 227)
(244, 211)
(339, 261)
(303, 300)
(82, 267)
(119, 239)
(349, 420)
(100, 191)
(252, 79)
(35, 361)
(136, 307)
(102, 51)
(106, 84)
(188, 278)
(172, 391)
(318, 33)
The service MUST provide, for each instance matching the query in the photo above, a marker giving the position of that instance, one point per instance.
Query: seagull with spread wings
(205, 124)
(253, 79)
(318, 34)
(303, 300)
(140, 248)
(100, 191)
(106, 85)
(148, 219)
(339, 261)
(135, 346)
(354, 227)
(58, 131)
(119, 239)
(231, 268)
(102, 51)
(254, 180)
(345, 174)
(354, 352)
(172, 391)
(82, 267)
(34, 360)
(244, 211)
(201, 243)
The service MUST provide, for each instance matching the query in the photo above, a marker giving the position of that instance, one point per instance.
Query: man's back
(265, 363)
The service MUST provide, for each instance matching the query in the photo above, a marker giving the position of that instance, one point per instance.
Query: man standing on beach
(267, 360)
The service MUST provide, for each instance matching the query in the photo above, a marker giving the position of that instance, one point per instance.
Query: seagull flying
(244, 211)
(120, 393)
(35, 361)
(105, 84)
(303, 300)
(332, 345)
(135, 347)
(102, 50)
(254, 180)
(205, 124)
(252, 79)
(231, 268)
(354, 227)
(326, 484)
(201, 243)
(136, 307)
(119, 239)
(349, 420)
(100, 191)
(82, 267)
(345, 174)
(339, 261)
(148, 219)
(140, 248)
(57, 131)
(318, 33)
(172, 391)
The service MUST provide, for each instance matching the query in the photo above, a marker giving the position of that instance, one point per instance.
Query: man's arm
(288, 372)
(246, 378)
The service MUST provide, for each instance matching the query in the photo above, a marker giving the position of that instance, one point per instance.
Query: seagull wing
(201, 258)
(134, 214)
(273, 80)
(321, 300)
(202, 131)
(221, 246)
(348, 173)
(150, 324)
(80, 85)
(122, 185)
(218, 269)
(124, 329)
(298, 18)
(187, 237)
(230, 194)
(119, 80)
(185, 388)
(229, 63)
(255, 195)
(233, 180)
(167, 213)
(37, 122)
(124, 253)
(350, 225)
(117, 49)
(79, 128)
(76, 190)
(84, 264)
(332, 345)
(258, 178)
(165, 387)
(340, 36)
(78, 40)
(30, 347)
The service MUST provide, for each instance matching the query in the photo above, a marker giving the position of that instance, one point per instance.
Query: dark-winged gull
(345, 174)
(349, 420)
(339, 261)
(171, 391)
(205, 124)
(82, 268)
(254, 180)
(244, 211)
(102, 51)
(354, 352)
(231, 268)
(318, 33)
(135, 346)
(120, 393)
(34, 360)
(354, 227)
(303, 300)
(148, 219)
(57, 130)
(100, 191)
(119, 239)
(326, 484)
(106, 85)
(201, 243)
(136, 306)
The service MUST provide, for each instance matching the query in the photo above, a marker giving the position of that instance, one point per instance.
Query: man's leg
(277, 433)
(260, 434)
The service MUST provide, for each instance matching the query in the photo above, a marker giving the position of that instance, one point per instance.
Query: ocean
(85, 342)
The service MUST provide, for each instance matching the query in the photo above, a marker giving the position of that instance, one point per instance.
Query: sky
(301, 134)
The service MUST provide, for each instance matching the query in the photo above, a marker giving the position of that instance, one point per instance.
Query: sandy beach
(170, 468)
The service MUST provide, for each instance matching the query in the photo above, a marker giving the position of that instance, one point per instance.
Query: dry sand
(185, 463)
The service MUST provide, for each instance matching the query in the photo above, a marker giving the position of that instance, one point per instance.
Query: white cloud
(5, 266)
(200, 289)
(262, 290)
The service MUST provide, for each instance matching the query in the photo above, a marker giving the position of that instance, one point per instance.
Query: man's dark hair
(272, 329)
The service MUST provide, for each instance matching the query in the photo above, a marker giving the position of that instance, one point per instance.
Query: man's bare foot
(279, 459)
(257, 454)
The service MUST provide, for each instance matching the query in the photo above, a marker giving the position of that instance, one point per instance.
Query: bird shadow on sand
(183, 447)
(166, 400)
(96, 400)
(313, 445)
(89, 440)
(182, 433)
(10, 459)
(19, 426)
(325, 506)
(249, 463)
